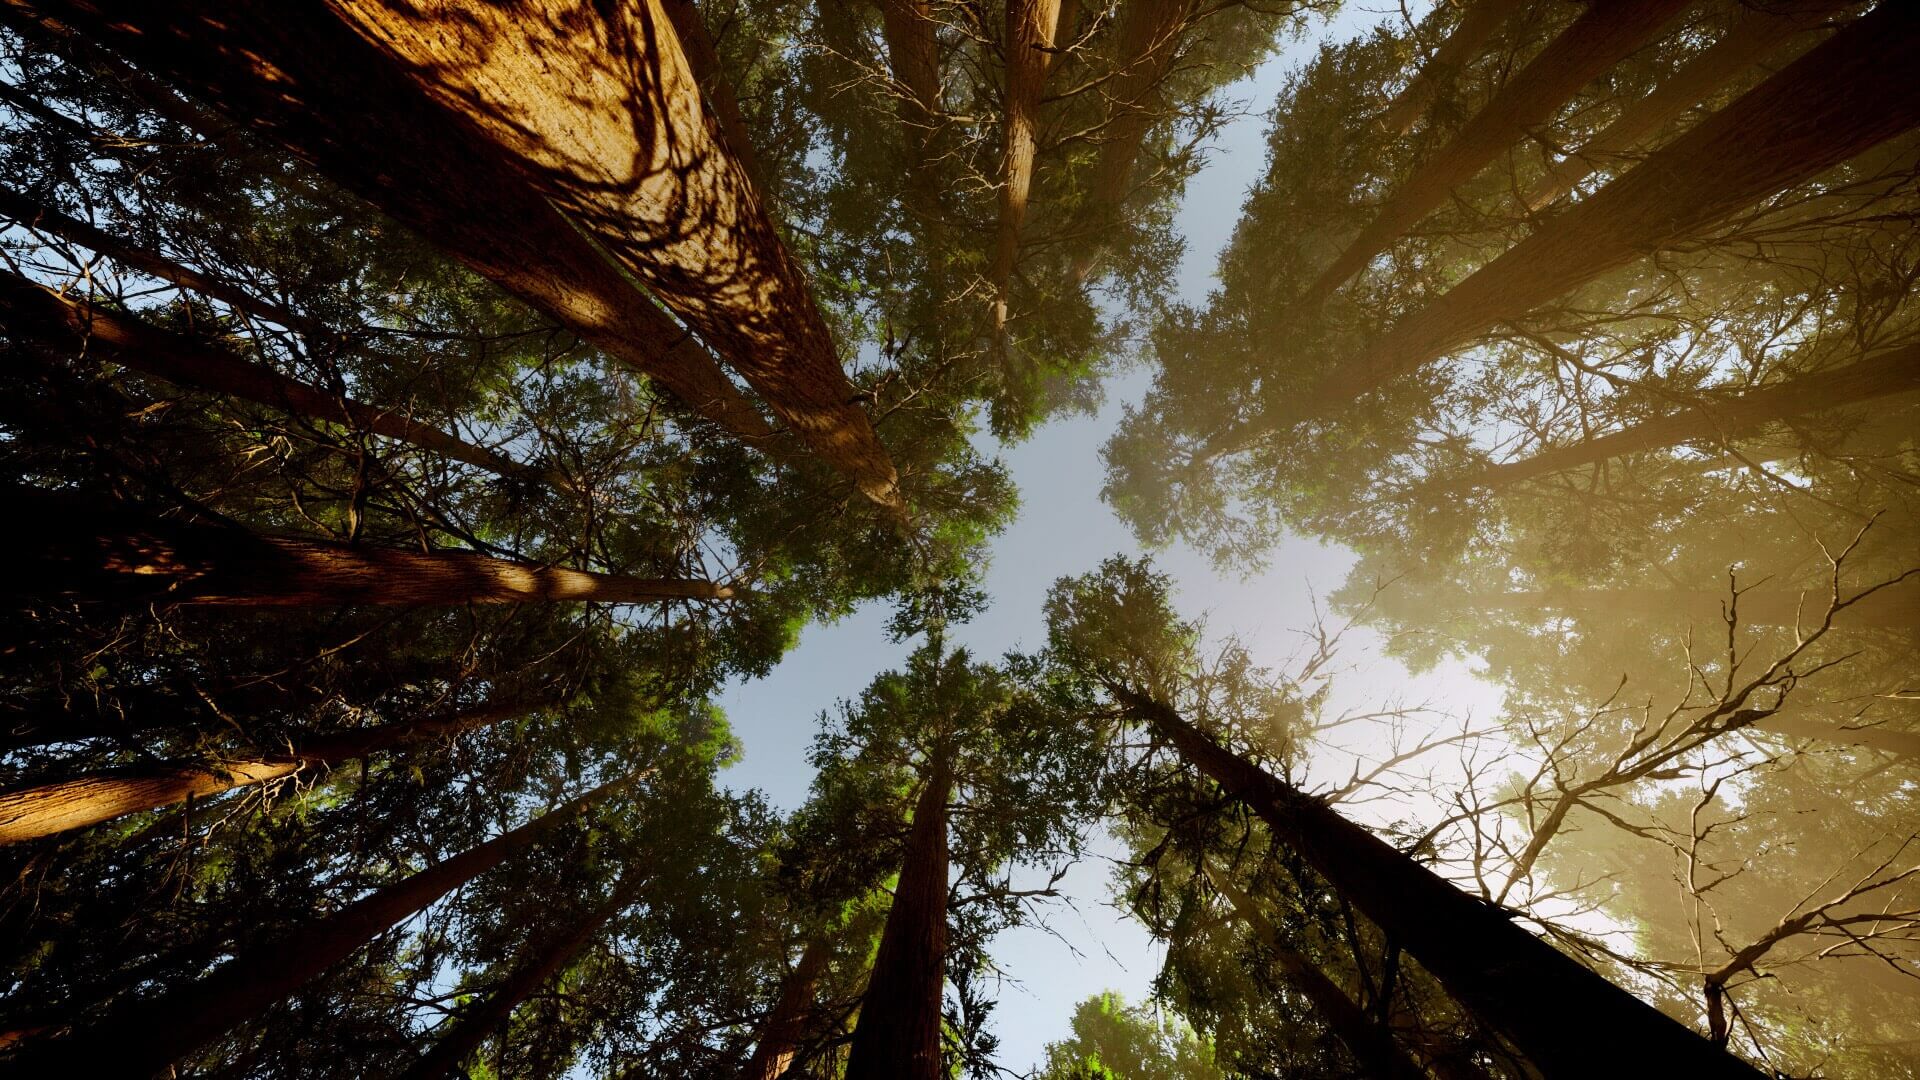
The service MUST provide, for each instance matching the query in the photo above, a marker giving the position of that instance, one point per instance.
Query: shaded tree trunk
(786, 1025)
(898, 1033)
(142, 1037)
(1605, 33)
(914, 58)
(704, 60)
(1467, 41)
(100, 551)
(1030, 31)
(1547, 1003)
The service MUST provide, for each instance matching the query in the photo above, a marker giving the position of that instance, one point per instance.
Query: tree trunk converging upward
(1895, 371)
(704, 60)
(1030, 30)
(297, 76)
(898, 1034)
(471, 1027)
(139, 1038)
(1544, 1001)
(1606, 32)
(33, 310)
(597, 107)
(785, 1026)
(1467, 41)
(1756, 32)
(914, 58)
(45, 809)
(1791, 128)
(100, 551)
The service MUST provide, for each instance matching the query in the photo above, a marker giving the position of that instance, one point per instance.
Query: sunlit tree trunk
(786, 1025)
(1544, 1001)
(98, 551)
(142, 1037)
(898, 1034)
(1030, 32)
(704, 60)
(1606, 32)
(1467, 41)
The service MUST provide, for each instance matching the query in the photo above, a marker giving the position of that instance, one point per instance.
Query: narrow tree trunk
(470, 1029)
(142, 1037)
(46, 809)
(297, 76)
(1756, 32)
(597, 106)
(786, 1025)
(1605, 33)
(1793, 127)
(1547, 1003)
(704, 60)
(898, 1034)
(29, 309)
(1030, 30)
(1895, 371)
(1467, 41)
(97, 551)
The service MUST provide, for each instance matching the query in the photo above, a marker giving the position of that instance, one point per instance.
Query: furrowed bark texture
(30, 309)
(786, 1025)
(1756, 32)
(142, 1037)
(1030, 29)
(298, 76)
(1467, 41)
(1791, 128)
(1606, 32)
(1544, 1001)
(97, 551)
(898, 1034)
(596, 106)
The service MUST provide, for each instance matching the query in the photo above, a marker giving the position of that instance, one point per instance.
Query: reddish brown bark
(914, 58)
(97, 551)
(1030, 30)
(144, 1036)
(898, 1033)
(1467, 41)
(786, 1025)
(1607, 31)
(704, 60)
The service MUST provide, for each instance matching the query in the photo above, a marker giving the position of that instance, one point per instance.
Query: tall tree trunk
(1467, 41)
(100, 551)
(1030, 30)
(1544, 1001)
(1371, 1044)
(1796, 125)
(898, 1033)
(29, 309)
(470, 1029)
(914, 58)
(1712, 423)
(704, 60)
(1606, 32)
(298, 76)
(597, 106)
(1756, 32)
(786, 1025)
(142, 1037)
(45, 809)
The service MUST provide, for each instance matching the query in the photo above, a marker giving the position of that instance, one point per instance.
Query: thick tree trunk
(297, 76)
(914, 58)
(28, 309)
(704, 60)
(1793, 127)
(97, 551)
(1030, 30)
(1467, 41)
(1544, 1001)
(45, 809)
(597, 106)
(1756, 32)
(142, 1037)
(786, 1025)
(1606, 32)
(898, 1034)
(1895, 371)
(469, 1030)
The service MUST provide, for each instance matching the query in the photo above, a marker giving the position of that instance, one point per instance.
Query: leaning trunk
(1468, 40)
(703, 58)
(787, 1024)
(898, 1034)
(1030, 29)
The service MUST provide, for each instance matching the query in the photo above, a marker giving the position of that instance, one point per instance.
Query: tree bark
(1605, 33)
(1756, 32)
(1544, 1001)
(1030, 31)
(786, 1025)
(704, 60)
(142, 1037)
(298, 76)
(898, 1033)
(1467, 41)
(29, 309)
(99, 551)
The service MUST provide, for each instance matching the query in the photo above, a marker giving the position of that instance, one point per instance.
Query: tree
(1479, 21)
(1113, 1039)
